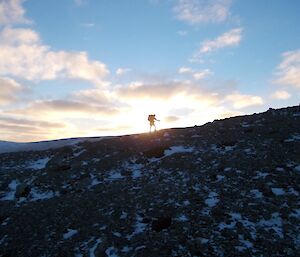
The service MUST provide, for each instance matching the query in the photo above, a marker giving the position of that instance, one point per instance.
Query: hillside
(227, 188)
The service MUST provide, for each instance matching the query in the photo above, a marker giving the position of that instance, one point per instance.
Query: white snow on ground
(274, 223)
(212, 199)
(6, 147)
(182, 217)
(39, 164)
(94, 247)
(113, 175)
(293, 138)
(10, 196)
(245, 125)
(79, 153)
(278, 191)
(237, 217)
(117, 234)
(219, 150)
(123, 215)
(136, 174)
(94, 182)
(246, 244)
(111, 252)
(126, 249)
(220, 177)
(293, 191)
(70, 233)
(296, 214)
(178, 149)
(36, 195)
(186, 202)
(135, 168)
(260, 174)
(139, 227)
(256, 193)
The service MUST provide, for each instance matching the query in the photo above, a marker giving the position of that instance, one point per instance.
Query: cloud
(288, 71)
(9, 90)
(158, 91)
(240, 101)
(122, 71)
(230, 38)
(202, 11)
(182, 33)
(20, 129)
(64, 108)
(29, 123)
(24, 56)
(202, 74)
(184, 70)
(12, 12)
(171, 118)
(281, 95)
(197, 75)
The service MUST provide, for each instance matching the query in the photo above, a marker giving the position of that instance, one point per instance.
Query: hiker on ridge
(152, 119)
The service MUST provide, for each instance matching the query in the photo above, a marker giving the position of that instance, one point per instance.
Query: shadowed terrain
(227, 188)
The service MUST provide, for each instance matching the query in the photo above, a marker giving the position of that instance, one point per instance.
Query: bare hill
(227, 188)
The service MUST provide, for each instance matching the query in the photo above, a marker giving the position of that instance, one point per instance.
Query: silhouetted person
(152, 119)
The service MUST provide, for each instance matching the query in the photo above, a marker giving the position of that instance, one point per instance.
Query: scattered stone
(22, 190)
(161, 223)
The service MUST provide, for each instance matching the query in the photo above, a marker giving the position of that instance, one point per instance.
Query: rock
(63, 167)
(161, 223)
(22, 190)
(146, 220)
(82, 184)
(156, 152)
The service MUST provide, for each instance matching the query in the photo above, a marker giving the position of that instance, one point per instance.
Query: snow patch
(39, 164)
(274, 223)
(70, 233)
(182, 218)
(10, 196)
(111, 252)
(260, 174)
(79, 153)
(278, 191)
(36, 194)
(212, 199)
(293, 138)
(256, 193)
(114, 175)
(178, 149)
(94, 247)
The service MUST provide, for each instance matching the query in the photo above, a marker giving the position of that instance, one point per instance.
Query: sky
(77, 68)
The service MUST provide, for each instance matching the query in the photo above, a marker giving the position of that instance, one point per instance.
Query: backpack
(150, 117)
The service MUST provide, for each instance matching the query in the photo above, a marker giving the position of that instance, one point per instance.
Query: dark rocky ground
(228, 188)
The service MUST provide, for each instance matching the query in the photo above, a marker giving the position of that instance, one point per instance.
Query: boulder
(22, 190)
(161, 223)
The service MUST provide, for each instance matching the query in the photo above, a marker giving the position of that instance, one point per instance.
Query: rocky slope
(228, 188)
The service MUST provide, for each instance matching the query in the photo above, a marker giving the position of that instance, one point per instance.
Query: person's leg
(154, 128)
